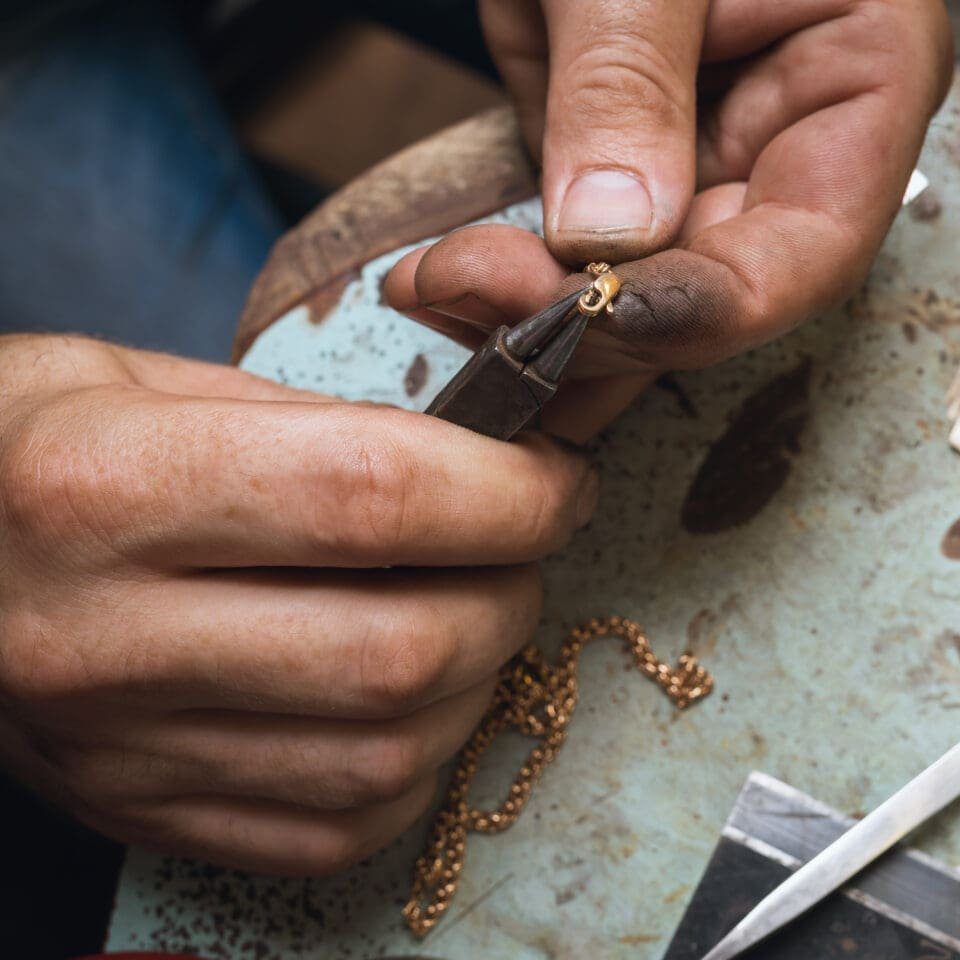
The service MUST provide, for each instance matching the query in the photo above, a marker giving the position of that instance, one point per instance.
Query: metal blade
(919, 800)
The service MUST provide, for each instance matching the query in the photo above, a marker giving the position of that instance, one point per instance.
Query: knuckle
(875, 25)
(51, 479)
(907, 43)
(33, 472)
(335, 853)
(240, 833)
(376, 479)
(543, 513)
(404, 660)
(395, 766)
(365, 836)
(628, 76)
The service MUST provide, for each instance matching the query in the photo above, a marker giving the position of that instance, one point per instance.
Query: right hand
(738, 161)
(245, 623)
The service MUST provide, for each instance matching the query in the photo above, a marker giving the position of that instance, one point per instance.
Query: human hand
(248, 624)
(755, 153)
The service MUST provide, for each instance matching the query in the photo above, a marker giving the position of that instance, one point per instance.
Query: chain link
(538, 699)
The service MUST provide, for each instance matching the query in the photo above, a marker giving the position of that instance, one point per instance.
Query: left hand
(248, 623)
(756, 208)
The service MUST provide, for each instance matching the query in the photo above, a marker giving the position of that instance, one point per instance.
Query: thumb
(619, 162)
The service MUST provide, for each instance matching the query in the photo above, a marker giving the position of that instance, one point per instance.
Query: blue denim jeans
(127, 210)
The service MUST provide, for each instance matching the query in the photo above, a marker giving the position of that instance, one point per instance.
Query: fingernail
(588, 498)
(605, 200)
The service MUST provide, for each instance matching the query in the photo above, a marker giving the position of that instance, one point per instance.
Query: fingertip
(399, 286)
(400, 292)
(500, 265)
(608, 214)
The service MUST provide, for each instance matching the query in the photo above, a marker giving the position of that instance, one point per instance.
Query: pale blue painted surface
(831, 624)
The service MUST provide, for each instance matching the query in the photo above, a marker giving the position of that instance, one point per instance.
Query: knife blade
(925, 795)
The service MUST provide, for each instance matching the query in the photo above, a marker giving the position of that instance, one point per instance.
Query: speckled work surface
(830, 618)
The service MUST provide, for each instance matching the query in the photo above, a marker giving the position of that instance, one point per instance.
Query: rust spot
(758, 742)
(926, 207)
(569, 892)
(936, 313)
(751, 461)
(920, 307)
(909, 332)
(950, 545)
(675, 895)
(322, 301)
(416, 375)
(632, 938)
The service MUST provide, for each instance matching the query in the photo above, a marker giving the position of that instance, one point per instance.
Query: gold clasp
(604, 288)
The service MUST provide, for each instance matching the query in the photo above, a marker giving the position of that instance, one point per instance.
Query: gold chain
(538, 699)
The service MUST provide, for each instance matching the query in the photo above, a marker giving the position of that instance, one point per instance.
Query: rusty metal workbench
(830, 618)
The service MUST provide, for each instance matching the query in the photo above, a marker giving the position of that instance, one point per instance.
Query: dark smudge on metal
(751, 461)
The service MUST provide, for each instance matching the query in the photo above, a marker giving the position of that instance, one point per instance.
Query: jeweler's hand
(244, 623)
(758, 150)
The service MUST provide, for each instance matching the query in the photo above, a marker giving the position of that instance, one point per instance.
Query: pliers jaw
(497, 392)
(502, 388)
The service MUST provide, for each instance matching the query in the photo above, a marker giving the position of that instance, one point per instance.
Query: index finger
(212, 482)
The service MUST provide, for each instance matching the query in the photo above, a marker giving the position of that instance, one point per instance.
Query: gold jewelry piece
(604, 288)
(597, 267)
(538, 699)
